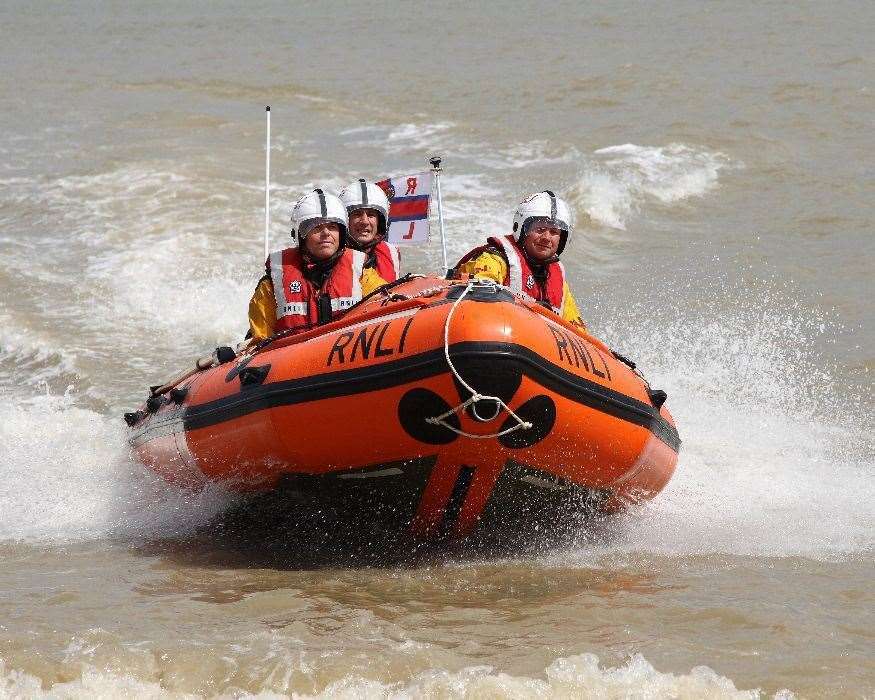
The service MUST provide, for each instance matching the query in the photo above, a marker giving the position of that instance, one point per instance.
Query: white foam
(67, 476)
(777, 456)
(177, 286)
(158, 253)
(137, 201)
(762, 459)
(56, 457)
(416, 133)
(622, 179)
(404, 137)
(528, 154)
(568, 677)
(473, 212)
(31, 357)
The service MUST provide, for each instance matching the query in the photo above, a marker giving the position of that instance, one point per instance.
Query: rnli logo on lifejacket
(295, 287)
(530, 282)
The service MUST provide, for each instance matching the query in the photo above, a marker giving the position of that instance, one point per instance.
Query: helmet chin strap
(364, 247)
(318, 267)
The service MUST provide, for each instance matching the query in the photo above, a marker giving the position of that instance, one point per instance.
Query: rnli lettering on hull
(374, 340)
(573, 351)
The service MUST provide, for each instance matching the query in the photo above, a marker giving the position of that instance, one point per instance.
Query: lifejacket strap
(324, 309)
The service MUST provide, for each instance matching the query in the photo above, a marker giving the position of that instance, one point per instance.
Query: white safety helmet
(367, 195)
(316, 207)
(543, 206)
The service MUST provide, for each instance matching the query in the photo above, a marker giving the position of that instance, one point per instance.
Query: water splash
(778, 453)
(67, 477)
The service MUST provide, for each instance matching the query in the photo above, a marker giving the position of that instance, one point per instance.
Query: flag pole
(436, 171)
(267, 187)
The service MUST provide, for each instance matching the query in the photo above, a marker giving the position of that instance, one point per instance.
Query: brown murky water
(719, 160)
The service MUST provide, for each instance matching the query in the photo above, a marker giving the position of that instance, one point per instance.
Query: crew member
(315, 282)
(527, 261)
(368, 210)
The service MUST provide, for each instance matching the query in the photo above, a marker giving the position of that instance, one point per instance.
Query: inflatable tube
(457, 405)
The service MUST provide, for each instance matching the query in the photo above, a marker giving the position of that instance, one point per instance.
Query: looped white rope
(475, 395)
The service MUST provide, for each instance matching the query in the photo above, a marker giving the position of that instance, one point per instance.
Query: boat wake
(776, 461)
(67, 476)
(778, 452)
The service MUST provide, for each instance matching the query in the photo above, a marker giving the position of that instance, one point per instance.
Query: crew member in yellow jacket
(527, 261)
(316, 282)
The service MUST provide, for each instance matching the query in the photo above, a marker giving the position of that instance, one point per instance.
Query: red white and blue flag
(409, 197)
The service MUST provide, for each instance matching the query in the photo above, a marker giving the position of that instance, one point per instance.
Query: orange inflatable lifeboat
(454, 405)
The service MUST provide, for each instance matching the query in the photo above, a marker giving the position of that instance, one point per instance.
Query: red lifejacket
(388, 261)
(297, 299)
(519, 277)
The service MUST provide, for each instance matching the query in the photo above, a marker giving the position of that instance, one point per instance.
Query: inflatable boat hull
(365, 406)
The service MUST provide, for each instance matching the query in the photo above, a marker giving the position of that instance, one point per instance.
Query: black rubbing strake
(429, 364)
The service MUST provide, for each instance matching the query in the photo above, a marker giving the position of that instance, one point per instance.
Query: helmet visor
(368, 207)
(544, 221)
(308, 225)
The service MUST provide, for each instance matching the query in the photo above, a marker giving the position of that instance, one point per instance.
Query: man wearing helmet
(527, 261)
(316, 282)
(368, 210)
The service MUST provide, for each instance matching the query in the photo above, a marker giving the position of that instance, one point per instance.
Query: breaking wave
(620, 180)
(568, 677)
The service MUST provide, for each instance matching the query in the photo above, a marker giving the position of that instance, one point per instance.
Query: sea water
(719, 162)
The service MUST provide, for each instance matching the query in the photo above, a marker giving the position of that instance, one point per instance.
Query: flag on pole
(409, 197)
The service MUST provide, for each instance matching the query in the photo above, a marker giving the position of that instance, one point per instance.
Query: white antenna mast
(267, 187)
(436, 173)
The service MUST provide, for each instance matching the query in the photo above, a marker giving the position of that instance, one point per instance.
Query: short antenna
(267, 187)
(436, 173)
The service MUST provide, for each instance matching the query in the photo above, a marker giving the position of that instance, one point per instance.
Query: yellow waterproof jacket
(262, 306)
(493, 266)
